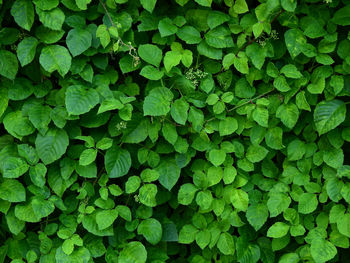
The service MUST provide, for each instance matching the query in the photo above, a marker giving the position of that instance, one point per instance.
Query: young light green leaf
(148, 4)
(278, 230)
(147, 195)
(133, 252)
(151, 229)
(151, 54)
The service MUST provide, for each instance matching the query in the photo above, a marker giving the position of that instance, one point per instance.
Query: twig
(251, 100)
(132, 50)
(254, 39)
(240, 105)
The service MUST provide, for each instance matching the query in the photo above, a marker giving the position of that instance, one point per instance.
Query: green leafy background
(155, 131)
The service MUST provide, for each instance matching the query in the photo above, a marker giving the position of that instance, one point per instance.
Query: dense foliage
(174, 131)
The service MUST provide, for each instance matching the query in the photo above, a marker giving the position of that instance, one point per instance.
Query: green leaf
(151, 73)
(26, 50)
(133, 252)
(147, 195)
(204, 2)
(256, 153)
(17, 125)
(104, 143)
(8, 64)
(80, 100)
(295, 41)
(281, 84)
(105, 218)
(172, 59)
(241, 63)
(78, 41)
(228, 126)
(103, 34)
(151, 229)
(52, 145)
(216, 18)
(342, 16)
(343, 224)
(290, 71)
(204, 199)
(23, 13)
(278, 203)
(307, 203)
(82, 4)
(90, 224)
(239, 199)
(322, 250)
(217, 157)
(169, 173)
(186, 194)
(42, 208)
(26, 213)
(52, 19)
(328, 115)
(109, 105)
(302, 102)
(46, 4)
(203, 238)
(208, 51)
(226, 244)
(187, 234)
(157, 103)
(151, 54)
(288, 114)
(169, 133)
(132, 184)
(289, 5)
(81, 254)
(40, 117)
(148, 4)
(296, 150)
(166, 27)
(278, 230)
(257, 215)
(256, 54)
(87, 157)
(179, 111)
(117, 162)
(37, 174)
(13, 191)
(15, 225)
(149, 175)
(189, 34)
(55, 57)
(334, 158)
(13, 167)
(240, 7)
(261, 116)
